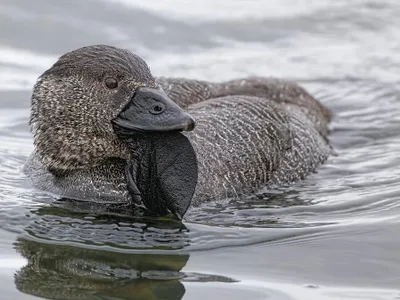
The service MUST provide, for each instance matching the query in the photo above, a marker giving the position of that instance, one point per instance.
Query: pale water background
(332, 236)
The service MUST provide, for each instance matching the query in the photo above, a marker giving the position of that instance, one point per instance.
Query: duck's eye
(157, 109)
(111, 83)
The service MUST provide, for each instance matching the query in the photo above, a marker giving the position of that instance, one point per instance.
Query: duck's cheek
(166, 175)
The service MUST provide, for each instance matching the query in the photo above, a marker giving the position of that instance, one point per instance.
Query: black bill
(151, 110)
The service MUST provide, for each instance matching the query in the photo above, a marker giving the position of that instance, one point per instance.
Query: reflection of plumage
(250, 133)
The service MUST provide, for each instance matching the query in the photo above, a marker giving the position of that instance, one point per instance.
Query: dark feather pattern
(250, 133)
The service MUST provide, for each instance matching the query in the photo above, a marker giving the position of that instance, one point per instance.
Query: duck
(107, 131)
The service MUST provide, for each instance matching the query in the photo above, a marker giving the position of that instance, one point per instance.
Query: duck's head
(89, 98)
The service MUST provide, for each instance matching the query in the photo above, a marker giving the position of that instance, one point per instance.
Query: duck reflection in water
(88, 270)
(57, 271)
(66, 272)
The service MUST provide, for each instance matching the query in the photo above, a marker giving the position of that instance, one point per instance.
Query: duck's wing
(186, 92)
(245, 143)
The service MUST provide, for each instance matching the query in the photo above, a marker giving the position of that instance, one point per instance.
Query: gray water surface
(332, 236)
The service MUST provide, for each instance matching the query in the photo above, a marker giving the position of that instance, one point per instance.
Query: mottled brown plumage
(250, 133)
(72, 108)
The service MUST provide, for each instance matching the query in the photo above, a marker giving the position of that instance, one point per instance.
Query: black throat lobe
(163, 176)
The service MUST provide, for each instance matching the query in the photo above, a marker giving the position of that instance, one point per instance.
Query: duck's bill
(165, 177)
(151, 110)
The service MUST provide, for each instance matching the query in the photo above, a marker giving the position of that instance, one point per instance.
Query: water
(332, 236)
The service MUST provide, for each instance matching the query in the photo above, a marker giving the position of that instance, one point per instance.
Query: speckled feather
(250, 133)
(71, 110)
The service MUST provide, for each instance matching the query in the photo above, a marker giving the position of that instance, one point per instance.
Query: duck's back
(244, 142)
